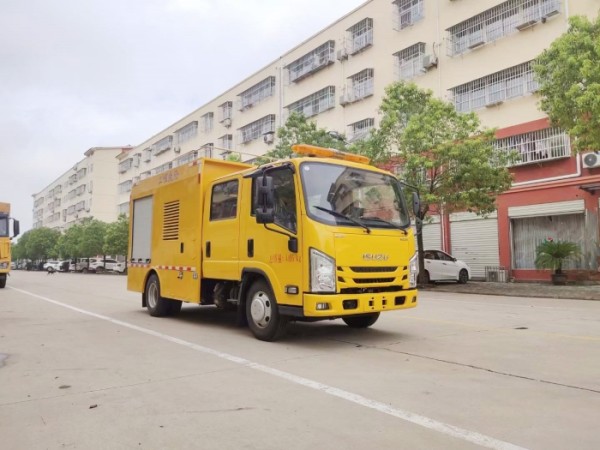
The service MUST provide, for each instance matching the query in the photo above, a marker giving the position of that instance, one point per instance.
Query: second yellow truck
(5, 237)
(320, 236)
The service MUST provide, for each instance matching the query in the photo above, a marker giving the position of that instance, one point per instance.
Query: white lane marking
(426, 422)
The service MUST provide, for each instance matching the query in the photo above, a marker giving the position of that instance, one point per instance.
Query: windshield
(3, 226)
(341, 195)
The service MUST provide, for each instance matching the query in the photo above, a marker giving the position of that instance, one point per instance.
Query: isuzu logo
(375, 257)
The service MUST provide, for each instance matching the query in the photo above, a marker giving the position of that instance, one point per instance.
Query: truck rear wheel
(362, 321)
(157, 305)
(2, 280)
(262, 313)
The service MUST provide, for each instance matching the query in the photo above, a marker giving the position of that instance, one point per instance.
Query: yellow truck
(320, 236)
(5, 238)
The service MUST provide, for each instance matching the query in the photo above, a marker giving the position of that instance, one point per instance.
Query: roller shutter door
(475, 241)
(432, 234)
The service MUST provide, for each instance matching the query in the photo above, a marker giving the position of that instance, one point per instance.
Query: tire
(362, 321)
(156, 304)
(426, 278)
(84, 270)
(263, 314)
(2, 281)
(463, 276)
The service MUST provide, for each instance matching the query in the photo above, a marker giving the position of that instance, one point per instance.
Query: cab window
(285, 198)
(223, 203)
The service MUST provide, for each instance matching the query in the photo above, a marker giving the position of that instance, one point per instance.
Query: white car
(97, 264)
(52, 266)
(440, 266)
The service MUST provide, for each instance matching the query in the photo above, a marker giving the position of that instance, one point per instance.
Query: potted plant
(551, 254)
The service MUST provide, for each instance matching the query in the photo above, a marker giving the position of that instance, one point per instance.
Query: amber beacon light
(313, 150)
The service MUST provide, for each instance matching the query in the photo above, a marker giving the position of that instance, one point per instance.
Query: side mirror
(16, 228)
(265, 199)
(416, 204)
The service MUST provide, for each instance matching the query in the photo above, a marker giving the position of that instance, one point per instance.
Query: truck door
(265, 248)
(221, 232)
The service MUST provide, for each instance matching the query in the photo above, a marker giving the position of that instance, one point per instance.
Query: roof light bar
(313, 150)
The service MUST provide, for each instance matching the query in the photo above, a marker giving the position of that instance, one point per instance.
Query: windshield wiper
(378, 219)
(343, 216)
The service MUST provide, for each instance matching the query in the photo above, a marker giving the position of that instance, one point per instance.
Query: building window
(224, 198)
(257, 128)
(410, 61)
(225, 111)
(315, 103)
(537, 146)
(361, 35)
(207, 122)
(187, 133)
(206, 150)
(360, 130)
(124, 208)
(124, 187)
(507, 18)
(408, 12)
(124, 166)
(186, 158)
(494, 89)
(163, 145)
(312, 62)
(162, 168)
(226, 142)
(362, 84)
(257, 93)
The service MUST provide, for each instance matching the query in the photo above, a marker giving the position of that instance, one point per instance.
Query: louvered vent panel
(171, 221)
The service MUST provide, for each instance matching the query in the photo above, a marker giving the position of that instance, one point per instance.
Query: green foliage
(117, 237)
(37, 244)
(568, 73)
(552, 254)
(299, 130)
(234, 157)
(92, 237)
(69, 243)
(444, 154)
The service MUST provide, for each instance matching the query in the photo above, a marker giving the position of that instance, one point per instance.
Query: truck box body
(196, 229)
(5, 237)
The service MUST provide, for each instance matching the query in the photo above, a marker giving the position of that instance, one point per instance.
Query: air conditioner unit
(227, 122)
(342, 54)
(269, 138)
(591, 160)
(428, 62)
(177, 149)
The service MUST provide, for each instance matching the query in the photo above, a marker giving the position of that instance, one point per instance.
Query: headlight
(413, 270)
(322, 272)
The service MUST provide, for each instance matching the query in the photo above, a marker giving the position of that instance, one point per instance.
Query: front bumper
(352, 304)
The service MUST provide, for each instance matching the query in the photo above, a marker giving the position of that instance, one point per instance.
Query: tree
(92, 237)
(40, 243)
(300, 130)
(568, 73)
(445, 155)
(69, 243)
(116, 238)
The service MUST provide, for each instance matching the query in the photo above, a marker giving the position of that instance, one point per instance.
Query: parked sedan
(440, 266)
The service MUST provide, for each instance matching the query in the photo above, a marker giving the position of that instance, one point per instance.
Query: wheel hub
(260, 309)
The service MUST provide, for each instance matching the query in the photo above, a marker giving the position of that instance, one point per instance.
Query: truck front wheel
(2, 280)
(262, 313)
(157, 305)
(363, 321)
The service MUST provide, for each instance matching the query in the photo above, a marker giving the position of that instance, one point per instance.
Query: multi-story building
(88, 189)
(477, 55)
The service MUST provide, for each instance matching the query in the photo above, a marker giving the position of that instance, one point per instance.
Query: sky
(76, 74)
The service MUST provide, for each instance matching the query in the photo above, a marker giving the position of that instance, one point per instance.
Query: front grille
(370, 290)
(372, 280)
(373, 269)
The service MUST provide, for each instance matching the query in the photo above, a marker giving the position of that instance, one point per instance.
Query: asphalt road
(82, 366)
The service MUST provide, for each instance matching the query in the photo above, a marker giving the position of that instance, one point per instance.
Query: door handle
(250, 248)
(207, 249)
